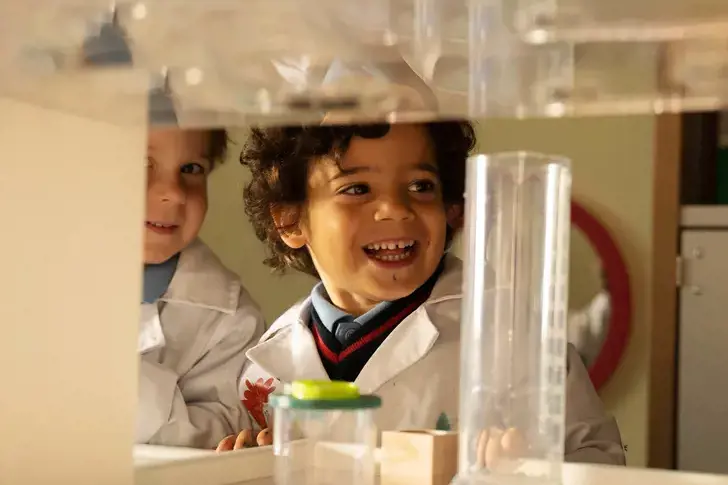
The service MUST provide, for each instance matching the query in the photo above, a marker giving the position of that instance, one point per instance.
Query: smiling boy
(197, 320)
(371, 211)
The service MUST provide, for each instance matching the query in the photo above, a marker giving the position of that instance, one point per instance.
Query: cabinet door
(702, 441)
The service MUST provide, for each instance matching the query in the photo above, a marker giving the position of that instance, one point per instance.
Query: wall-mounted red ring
(619, 289)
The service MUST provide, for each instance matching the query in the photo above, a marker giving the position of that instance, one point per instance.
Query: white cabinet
(702, 413)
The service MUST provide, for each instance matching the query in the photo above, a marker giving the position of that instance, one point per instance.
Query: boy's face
(375, 224)
(177, 171)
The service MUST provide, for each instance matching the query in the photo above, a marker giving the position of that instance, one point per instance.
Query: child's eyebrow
(428, 167)
(346, 172)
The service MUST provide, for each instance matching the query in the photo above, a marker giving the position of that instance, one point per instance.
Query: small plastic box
(324, 434)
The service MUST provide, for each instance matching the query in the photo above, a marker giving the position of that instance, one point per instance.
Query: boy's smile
(161, 228)
(374, 222)
(393, 253)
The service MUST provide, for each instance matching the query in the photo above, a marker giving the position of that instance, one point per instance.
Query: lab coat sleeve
(592, 435)
(205, 406)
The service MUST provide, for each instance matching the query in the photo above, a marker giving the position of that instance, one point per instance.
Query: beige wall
(612, 163)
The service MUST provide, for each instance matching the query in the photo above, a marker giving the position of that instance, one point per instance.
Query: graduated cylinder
(513, 343)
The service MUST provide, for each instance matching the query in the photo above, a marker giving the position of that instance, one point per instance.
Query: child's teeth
(391, 257)
(391, 245)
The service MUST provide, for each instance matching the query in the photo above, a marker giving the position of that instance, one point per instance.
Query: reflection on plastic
(513, 357)
(293, 61)
(618, 20)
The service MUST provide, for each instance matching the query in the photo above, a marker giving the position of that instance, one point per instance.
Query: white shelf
(182, 466)
(165, 466)
(704, 216)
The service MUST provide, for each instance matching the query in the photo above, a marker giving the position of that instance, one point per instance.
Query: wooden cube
(418, 457)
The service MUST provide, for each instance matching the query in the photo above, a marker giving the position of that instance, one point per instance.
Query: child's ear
(286, 219)
(455, 215)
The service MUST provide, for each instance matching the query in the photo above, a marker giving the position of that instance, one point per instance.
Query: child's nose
(167, 189)
(394, 208)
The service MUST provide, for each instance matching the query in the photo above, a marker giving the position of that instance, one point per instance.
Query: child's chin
(158, 255)
(390, 289)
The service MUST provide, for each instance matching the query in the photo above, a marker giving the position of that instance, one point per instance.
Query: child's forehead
(403, 144)
(194, 141)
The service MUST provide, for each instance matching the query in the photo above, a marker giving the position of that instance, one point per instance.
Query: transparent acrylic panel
(173, 32)
(513, 356)
(606, 78)
(112, 95)
(36, 34)
(233, 60)
(619, 20)
(230, 62)
(649, 77)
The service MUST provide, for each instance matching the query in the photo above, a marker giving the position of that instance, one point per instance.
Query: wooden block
(418, 457)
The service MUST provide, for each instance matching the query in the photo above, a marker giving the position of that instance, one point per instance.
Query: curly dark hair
(279, 157)
(217, 144)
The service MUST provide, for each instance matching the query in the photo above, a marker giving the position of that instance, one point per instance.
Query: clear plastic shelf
(649, 77)
(542, 21)
(115, 96)
(292, 61)
(600, 79)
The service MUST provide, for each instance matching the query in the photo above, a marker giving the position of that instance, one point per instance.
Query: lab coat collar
(287, 351)
(151, 336)
(202, 280)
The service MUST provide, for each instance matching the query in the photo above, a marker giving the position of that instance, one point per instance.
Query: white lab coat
(192, 345)
(588, 327)
(416, 372)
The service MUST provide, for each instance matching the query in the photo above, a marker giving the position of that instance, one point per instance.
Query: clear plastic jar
(513, 357)
(324, 434)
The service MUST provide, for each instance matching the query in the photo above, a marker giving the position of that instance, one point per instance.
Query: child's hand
(265, 437)
(244, 439)
(495, 444)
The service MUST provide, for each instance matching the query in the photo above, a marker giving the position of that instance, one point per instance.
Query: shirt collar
(202, 280)
(157, 278)
(330, 314)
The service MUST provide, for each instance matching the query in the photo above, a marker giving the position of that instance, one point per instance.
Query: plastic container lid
(324, 395)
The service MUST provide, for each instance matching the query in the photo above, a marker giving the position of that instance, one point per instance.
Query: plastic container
(513, 355)
(324, 434)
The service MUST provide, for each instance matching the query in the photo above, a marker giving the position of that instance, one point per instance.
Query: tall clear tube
(513, 339)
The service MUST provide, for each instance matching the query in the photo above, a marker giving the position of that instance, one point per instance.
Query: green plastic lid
(324, 395)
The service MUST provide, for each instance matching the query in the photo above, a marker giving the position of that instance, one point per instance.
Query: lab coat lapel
(414, 337)
(289, 353)
(151, 336)
(409, 342)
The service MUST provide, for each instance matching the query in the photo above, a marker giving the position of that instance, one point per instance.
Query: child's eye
(422, 186)
(357, 189)
(193, 169)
